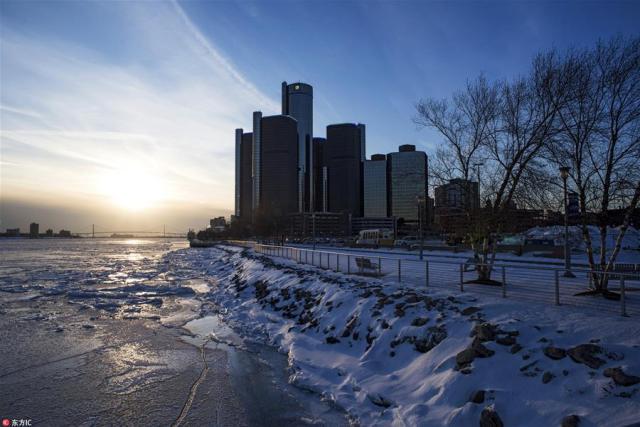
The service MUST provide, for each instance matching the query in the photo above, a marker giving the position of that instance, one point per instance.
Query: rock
(585, 354)
(88, 326)
(385, 324)
(332, 340)
(477, 397)
(490, 418)
(470, 310)
(546, 377)
(515, 348)
(555, 353)
(484, 331)
(379, 400)
(480, 350)
(619, 377)
(612, 355)
(465, 357)
(508, 340)
(570, 421)
(419, 321)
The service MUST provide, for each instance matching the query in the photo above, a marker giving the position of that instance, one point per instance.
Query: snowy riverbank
(389, 354)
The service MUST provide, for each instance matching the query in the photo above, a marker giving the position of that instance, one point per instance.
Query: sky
(122, 113)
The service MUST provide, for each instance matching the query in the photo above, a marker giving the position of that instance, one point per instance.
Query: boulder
(484, 331)
(470, 310)
(480, 350)
(547, 377)
(555, 353)
(506, 340)
(619, 377)
(332, 340)
(490, 418)
(515, 348)
(419, 321)
(477, 397)
(586, 354)
(570, 421)
(465, 357)
(379, 400)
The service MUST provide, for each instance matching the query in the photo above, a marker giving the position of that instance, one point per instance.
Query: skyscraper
(408, 180)
(278, 171)
(297, 102)
(343, 154)
(375, 186)
(319, 175)
(244, 182)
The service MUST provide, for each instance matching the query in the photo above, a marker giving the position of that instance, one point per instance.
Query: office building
(278, 190)
(244, 183)
(297, 102)
(459, 194)
(456, 206)
(343, 155)
(320, 175)
(408, 181)
(375, 186)
(34, 230)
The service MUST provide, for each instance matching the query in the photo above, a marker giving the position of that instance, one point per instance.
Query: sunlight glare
(133, 190)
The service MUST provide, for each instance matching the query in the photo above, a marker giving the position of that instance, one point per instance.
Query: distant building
(324, 224)
(375, 187)
(408, 181)
(343, 157)
(13, 232)
(64, 233)
(34, 230)
(456, 204)
(297, 102)
(219, 221)
(278, 167)
(320, 175)
(244, 183)
(49, 232)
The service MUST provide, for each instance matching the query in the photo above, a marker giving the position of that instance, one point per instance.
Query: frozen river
(106, 332)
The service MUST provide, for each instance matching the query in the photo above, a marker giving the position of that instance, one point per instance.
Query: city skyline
(131, 127)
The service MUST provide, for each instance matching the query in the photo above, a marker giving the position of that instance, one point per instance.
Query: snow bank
(394, 355)
(631, 239)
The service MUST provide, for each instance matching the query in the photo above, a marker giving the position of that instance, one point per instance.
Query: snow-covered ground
(391, 353)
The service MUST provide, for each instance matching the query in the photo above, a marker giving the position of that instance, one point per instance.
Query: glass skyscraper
(343, 159)
(297, 102)
(375, 186)
(408, 180)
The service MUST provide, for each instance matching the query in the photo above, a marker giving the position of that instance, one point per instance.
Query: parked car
(406, 242)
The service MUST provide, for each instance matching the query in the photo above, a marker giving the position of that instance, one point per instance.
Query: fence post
(426, 271)
(461, 278)
(557, 287)
(399, 270)
(379, 267)
(504, 283)
(348, 264)
(338, 262)
(328, 261)
(623, 302)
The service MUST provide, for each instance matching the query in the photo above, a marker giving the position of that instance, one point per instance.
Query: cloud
(73, 113)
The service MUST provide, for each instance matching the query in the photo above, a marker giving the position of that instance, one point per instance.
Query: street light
(564, 174)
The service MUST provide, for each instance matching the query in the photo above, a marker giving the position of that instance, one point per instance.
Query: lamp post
(421, 217)
(564, 174)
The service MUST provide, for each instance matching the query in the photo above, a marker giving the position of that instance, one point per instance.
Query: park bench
(365, 264)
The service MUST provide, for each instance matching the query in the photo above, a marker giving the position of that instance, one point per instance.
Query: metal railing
(522, 282)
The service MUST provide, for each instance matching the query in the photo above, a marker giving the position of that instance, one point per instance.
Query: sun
(132, 190)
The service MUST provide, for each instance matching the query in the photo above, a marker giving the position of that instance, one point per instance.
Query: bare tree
(465, 123)
(600, 140)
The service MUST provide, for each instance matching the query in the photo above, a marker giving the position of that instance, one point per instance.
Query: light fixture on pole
(564, 174)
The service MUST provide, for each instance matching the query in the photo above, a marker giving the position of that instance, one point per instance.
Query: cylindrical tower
(297, 102)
